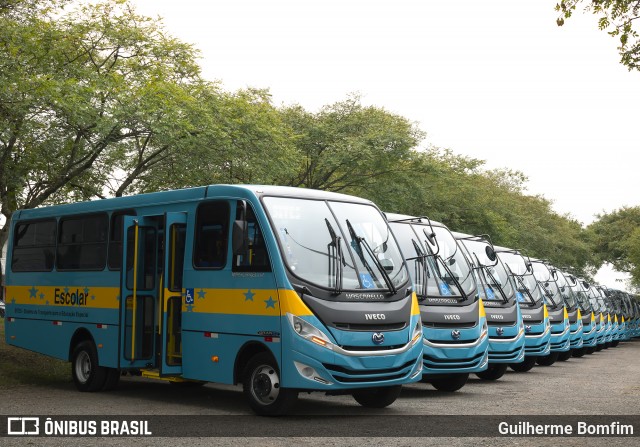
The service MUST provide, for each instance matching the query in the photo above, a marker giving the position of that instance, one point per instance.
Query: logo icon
(527, 328)
(378, 338)
(500, 331)
(23, 426)
(455, 334)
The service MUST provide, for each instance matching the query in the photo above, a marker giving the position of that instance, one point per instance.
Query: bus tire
(548, 359)
(377, 397)
(590, 350)
(564, 356)
(580, 352)
(526, 365)
(450, 384)
(113, 377)
(87, 374)
(614, 343)
(493, 372)
(261, 387)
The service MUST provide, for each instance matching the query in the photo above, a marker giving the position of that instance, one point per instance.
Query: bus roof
(183, 195)
(393, 217)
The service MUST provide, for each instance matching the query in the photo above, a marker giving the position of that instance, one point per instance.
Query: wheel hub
(265, 384)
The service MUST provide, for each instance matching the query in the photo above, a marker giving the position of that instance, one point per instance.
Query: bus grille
(347, 375)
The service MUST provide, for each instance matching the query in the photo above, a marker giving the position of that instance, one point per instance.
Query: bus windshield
(336, 244)
(528, 291)
(433, 275)
(543, 275)
(491, 275)
(565, 290)
(580, 291)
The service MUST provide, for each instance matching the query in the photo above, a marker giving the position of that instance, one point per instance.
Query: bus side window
(115, 239)
(255, 257)
(34, 246)
(212, 230)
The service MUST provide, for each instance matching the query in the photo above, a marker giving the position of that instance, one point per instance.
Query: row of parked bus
(287, 290)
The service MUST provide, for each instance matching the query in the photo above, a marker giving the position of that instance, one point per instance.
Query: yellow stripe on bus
(65, 296)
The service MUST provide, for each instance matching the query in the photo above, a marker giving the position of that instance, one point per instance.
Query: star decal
(33, 292)
(190, 307)
(13, 301)
(201, 294)
(42, 296)
(93, 297)
(271, 303)
(86, 291)
(248, 296)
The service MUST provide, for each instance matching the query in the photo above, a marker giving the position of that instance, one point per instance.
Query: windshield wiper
(362, 242)
(336, 260)
(494, 284)
(420, 274)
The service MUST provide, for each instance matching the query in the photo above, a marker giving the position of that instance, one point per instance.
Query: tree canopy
(97, 100)
(617, 18)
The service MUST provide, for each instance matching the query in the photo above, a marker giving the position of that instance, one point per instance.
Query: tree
(618, 18)
(347, 146)
(76, 89)
(615, 237)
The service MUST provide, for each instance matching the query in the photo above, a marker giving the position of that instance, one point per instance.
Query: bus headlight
(309, 332)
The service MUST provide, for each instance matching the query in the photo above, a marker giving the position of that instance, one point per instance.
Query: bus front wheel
(87, 374)
(451, 383)
(493, 372)
(261, 386)
(524, 366)
(548, 359)
(377, 397)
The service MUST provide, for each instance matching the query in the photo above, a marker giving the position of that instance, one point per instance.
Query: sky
(494, 80)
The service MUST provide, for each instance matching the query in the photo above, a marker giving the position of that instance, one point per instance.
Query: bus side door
(171, 334)
(140, 280)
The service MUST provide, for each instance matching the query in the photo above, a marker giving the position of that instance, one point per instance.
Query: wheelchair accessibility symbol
(188, 296)
(367, 281)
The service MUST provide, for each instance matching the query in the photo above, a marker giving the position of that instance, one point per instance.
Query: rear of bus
(454, 321)
(530, 298)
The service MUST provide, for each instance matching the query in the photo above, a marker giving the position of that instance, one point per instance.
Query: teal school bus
(535, 316)
(456, 338)
(498, 293)
(280, 289)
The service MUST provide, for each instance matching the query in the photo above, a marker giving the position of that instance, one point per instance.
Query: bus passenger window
(34, 246)
(212, 230)
(115, 238)
(255, 257)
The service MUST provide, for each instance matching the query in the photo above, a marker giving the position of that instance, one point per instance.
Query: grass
(21, 367)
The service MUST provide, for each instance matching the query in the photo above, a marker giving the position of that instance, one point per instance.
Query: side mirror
(240, 237)
(491, 253)
(387, 265)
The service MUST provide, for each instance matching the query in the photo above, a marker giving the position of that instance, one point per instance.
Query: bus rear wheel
(526, 365)
(548, 359)
(261, 387)
(377, 397)
(87, 374)
(451, 383)
(493, 372)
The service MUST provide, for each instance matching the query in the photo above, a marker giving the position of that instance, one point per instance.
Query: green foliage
(615, 238)
(347, 146)
(617, 17)
(97, 100)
